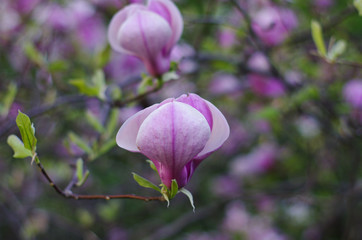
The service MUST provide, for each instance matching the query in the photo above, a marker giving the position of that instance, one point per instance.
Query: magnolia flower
(273, 24)
(352, 93)
(176, 135)
(148, 32)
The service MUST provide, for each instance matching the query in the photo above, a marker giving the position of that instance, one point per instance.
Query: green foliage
(82, 174)
(358, 6)
(8, 99)
(143, 182)
(27, 131)
(18, 147)
(95, 88)
(318, 38)
(336, 50)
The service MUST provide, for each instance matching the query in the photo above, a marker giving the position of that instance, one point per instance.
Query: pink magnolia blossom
(273, 24)
(148, 32)
(176, 135)
(265, 85)
(352, 92)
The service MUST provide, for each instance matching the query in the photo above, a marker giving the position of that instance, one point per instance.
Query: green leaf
(358, 5)
(99, 82)
(81, 174)
(33, 54)
(189, 195)
(95, 88)
(174, 189)
(8, 99)
(318, 38)
(268, 113)
(112, 123)
(336, 50)
(152, 165)
(27, 131)
(103, 57)
(57, 66)
(80, 143)
(94, 122)
(18, 147)
(143, 182)
(107, 146)
(170, 76)
(83, 87)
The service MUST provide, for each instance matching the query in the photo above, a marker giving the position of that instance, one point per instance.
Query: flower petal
(220, 132)
(199, 104)
(170, 12)
(116, 23)
(144, 34)
(173, 135)
(127, 134)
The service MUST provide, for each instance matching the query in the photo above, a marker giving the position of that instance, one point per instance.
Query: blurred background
(291, 168)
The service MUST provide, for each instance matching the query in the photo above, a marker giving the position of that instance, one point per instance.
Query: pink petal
(199, 104)
(116, 23)
(127, 134)
(173, 135)
(220, 132)
(170, 12)
(145, 35)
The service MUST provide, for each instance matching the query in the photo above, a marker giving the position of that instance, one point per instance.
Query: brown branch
(69, 194)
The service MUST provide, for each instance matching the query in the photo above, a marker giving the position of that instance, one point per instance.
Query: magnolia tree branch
(67, 193)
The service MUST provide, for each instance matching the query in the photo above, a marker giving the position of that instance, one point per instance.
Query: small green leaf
(81, 174)
(80, 143)
(83, 87)
(27, 131)
(358, 5)
(103, 57)
(8, 99)
(318, 38)
(336, 50)
(112, 123)
(95, 88)
(143, 182)
(98, 80)
(174, 189)
(152, 165)
(106, 146)
(170, 76)
(33, 54)
(57, 66)
(18, 147)
(94, 122)
(189, 195)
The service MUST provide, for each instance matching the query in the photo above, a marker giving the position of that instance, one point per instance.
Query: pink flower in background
(225, 84)
(258, 62)
(273, 24)
(352, 93)
(176, 135)
(265, 85)
(148, 32)
(258, 161)
(227, 37)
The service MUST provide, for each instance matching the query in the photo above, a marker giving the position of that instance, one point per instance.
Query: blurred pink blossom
(258, 62)
(265, 85)
(225, 84)
(258, 161)
(352, 93)
(272, 24)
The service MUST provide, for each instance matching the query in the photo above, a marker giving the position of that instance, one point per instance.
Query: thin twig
(69, 194)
